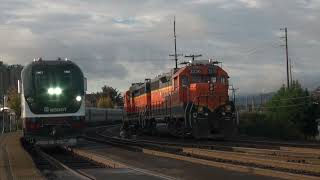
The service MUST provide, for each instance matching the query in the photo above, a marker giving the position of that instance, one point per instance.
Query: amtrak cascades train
(52, 102)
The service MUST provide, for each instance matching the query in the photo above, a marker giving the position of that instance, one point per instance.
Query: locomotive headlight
(57, 91)
(78, 98)
(228, 108)
(51, 91)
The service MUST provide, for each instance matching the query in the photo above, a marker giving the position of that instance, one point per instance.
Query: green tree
(14, 100)
(291, 113)
(112, 93)
(105, 102)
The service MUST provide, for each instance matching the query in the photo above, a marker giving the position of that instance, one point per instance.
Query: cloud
(250, 3)
(120, 42)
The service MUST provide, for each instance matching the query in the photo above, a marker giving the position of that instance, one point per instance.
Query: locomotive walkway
(15, 162)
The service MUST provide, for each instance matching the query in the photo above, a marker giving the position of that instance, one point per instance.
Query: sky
(120, 42)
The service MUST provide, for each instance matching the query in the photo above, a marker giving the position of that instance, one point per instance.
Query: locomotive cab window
(184, 81)
(224, 80)
(200, 79)
(175, 83)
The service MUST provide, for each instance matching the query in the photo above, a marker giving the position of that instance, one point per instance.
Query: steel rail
(54, 162)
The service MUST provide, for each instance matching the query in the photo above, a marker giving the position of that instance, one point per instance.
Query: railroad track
(288, 163)
(234, 142)
(52, 161)
(297, 153)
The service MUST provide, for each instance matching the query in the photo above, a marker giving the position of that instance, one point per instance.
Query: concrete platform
(15, 162)
(169, 167)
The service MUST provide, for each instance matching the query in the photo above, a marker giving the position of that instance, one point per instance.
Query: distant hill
(242, 100)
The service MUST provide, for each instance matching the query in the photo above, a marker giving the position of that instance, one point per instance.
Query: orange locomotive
(192, 100)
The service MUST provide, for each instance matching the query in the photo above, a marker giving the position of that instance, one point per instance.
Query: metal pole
(287, 58)
(3, 115)
(175, 43)
(10, 123)
(287, 53)
(2, 79)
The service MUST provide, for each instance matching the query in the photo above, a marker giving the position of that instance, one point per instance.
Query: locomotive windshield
(196, 78)
(45, 79)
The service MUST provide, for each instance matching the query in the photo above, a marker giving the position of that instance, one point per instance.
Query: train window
(222, 80)
(142, 90)
(196, 79)
(164, 79)
(155, 85)
(212, 70)
(136, 92)
(175, 83)
(185, 81)
(200, 79)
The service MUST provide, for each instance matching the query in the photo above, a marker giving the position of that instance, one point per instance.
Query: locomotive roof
(174, 72)
(30, 66)
(50, 63)
(135, 86)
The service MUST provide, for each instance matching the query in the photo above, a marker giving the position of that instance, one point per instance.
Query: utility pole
(287, 54)
(247, 109)
(193, 56)
(252, 104)
(261, 96)
(234, 94)
(2, 79)
(291, 78)
(175, 44)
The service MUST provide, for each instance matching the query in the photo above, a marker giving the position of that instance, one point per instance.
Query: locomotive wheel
(153, 127)
(176, 128)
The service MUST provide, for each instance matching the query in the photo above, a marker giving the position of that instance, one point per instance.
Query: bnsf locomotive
(189, 101)
(52, 102)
